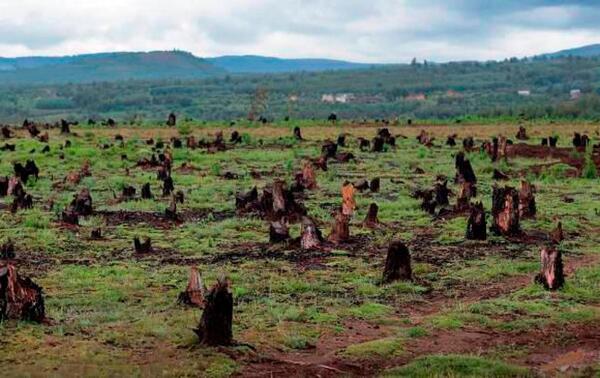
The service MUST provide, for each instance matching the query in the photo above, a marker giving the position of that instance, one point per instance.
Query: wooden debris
(397, 263)
(215, 326)
(551, 274)
(194, 292)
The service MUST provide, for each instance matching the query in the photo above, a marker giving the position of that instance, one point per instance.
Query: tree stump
(179, 196)
(466, 192)
(441, 191)
(374, 185)
(139, 247)
(451, 140)
(553, 141)
(344, 157)
(497, 175)
(171, 210)
(551, 274)
(321, 163)
(20, 298)
(397, 263)
(190, 142)
(7, 250)
(70, 216)
(557, 235)
(311, 236)
(505, 211)
(172, 119)
(364, 144)
(476, 225)
(215, 326)
(464, 170)
(377, 143)
(194, 293)
(146, 191)
(341, 140)
(527, 207)
(6, 132)
(3, 186)
(297, 133)
(371, 220)
(82, 203)
(244, 200)
(64, 127)
(96, 233)
(340, 229)
(522, 133)
(128, 192)
(309, 178)
(329, 149)
(278, 232)
(168, 186)
(348, 202)
(468, 143)
(235, 137)
(361, 185)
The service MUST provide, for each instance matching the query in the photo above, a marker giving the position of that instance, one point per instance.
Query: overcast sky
(359, 30)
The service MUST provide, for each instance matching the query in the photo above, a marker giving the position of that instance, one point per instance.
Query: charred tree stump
(497, 175)
(64, 127)
(553, 141)
(321, 163)
(522, 133)
(6, 132)
(344, 157)
(82, 203)
(194, 292)
(340, 229)
(128, 192)
(464, 170)
(215, 326)
(168, 186)
(505, 211)
(96, 233)
(297, 133)
(364, 144)
(3, 186)
(70, 216)
(551, 275)
(466, 192)
(451, 140)
(146, 192)
(179, 196)
(527, 208)
(235, 137)
(374, 185)
(141, 248)
(377, 144)
(20, 298)
(171, 210)
(361, 185)
(341, 140)
(468, 143)
(329, 149)
(441, 192)
(278, 232)
(476, 225)
(172, 119)
(311, 236)
(244, 200)
(397, 263)
(7, 250)
(309, 178)
(371, 220)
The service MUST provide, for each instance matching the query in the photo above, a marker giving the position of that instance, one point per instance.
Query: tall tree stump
(375, 184)
(146, 191)
(551, 273)
(466, 192)
(527, 207)
(309, 178)
(397, 263)
(505, 211)
(139, 247)
(215, 326)
(340, 228)
(297, 133)
(348, 202)
(278, 232)
(557, 235)
(476, 224)
(464, 170)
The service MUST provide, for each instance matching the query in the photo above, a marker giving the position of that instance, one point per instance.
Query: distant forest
(419, 90)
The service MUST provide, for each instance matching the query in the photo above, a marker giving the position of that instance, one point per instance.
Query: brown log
(476, 224)
(20, 298)
(215, 326)
(194, 292)
(139, 247)
(311, 236)
(278, 232)
(505, 211)
(551, 273)
(371, 220)
(348, 202)
(527, 208)
(340, 228)
(397, 263)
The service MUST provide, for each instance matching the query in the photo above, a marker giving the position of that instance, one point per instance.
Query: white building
(524, 92)
(575, 94)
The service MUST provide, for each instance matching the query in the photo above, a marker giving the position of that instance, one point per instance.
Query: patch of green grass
(382, 348)
(457, 366)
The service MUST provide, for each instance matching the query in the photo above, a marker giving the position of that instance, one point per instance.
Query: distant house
(328, 98)
(524, 92)
(293, 98)
(415, 97)
(575, 94)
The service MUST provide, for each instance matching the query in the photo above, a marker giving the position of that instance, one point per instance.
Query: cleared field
(471, 309)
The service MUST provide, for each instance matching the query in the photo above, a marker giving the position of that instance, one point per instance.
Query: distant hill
(105, 67)
(583, 51)
(263, 64)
